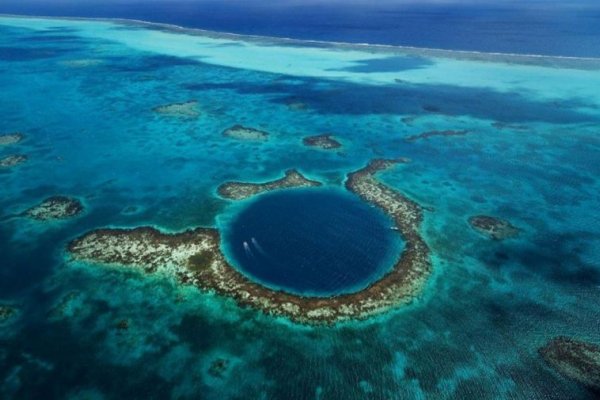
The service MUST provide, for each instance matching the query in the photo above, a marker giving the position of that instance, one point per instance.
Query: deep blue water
(531, 27)
(314, 241)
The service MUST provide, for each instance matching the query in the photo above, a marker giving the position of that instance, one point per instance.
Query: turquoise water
(312, 242)
(83, 92)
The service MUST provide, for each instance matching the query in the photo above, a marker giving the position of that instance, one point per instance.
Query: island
(574, 359)
(324, 141)
(55, 207)
(244, 133)
(194, 257)
(493, 228)
(243, 190)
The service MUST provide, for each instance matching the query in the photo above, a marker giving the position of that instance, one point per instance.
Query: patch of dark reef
(7, 313)
(429, 134)
(574, 359)
(184, 110)
(493, 227)
(241, 132)
(55, 207)
(12, 160)
(325, 141)
(11, 138)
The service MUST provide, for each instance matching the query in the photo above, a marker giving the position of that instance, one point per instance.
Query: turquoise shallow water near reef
(524, 147)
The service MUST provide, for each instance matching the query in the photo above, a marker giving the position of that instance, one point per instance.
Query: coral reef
(242, 190)
(245, 133)
(218, 367)
(82, 63)
(195, 257)
(10, 138)
(492, 227)
(7, 312)
(324, 141)
(188, 109)
(574, 359)
(68, 306)
(56, 207)
(427, 135)
(12, 160)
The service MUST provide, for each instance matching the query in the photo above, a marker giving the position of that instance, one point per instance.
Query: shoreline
(468, 55)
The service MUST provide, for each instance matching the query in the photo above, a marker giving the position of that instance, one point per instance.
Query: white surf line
(276, 39)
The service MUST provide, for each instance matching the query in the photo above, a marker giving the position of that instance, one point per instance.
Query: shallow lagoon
(83, 93)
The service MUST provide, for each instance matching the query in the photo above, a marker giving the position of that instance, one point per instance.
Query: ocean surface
(312, 242)
(512, 137)
(509, 26)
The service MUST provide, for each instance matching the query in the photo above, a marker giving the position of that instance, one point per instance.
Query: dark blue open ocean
(532, 26)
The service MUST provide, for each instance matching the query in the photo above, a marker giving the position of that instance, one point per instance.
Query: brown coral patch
(324, 141)
(493, 228)
(242, 190)
(245, 133)
(574, 359)
(188, 109)
(7, 312)
(427, 135)
(10, 138)
(12, 160)
(56, 207)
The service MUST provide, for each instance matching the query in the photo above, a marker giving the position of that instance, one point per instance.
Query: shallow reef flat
(11, 138)
(12, 160)
(245, 133)
(493, 227)
(243, 190)
(55, 207)
(324, 141)
(575, 359)
(195, 257)
(188, 109)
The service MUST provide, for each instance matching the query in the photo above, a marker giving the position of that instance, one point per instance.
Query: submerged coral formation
(10, 138)
(427, 135)
(12, 160)
(493, 228)
(188, 109)
(7, 312)
(242, 190)
(245, 133)
(82, 63)
(218, 367)
(574, 359)
(56, 207)
(194, 256)
(324, 141)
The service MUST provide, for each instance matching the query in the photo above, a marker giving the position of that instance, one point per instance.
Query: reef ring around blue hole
(312, 242)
